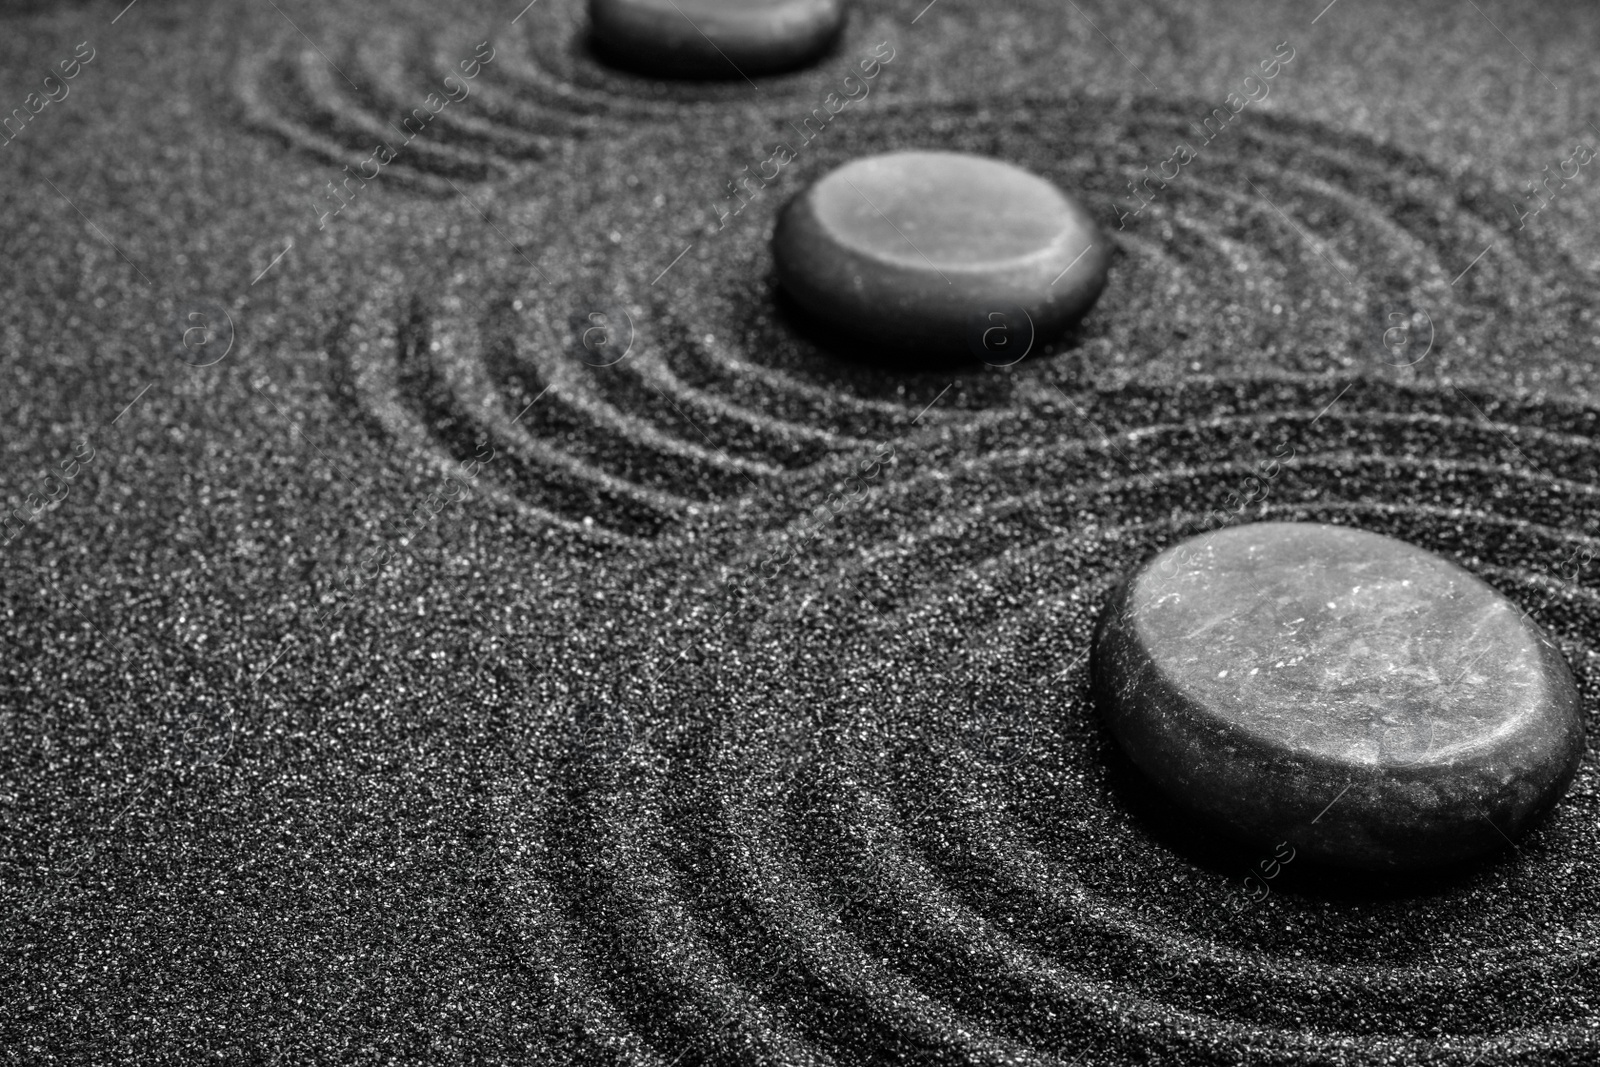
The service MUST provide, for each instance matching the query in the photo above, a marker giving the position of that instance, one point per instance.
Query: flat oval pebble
(1369, 702)
(941, 254)
(714, 38)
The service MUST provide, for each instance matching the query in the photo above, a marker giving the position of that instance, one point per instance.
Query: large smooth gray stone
(1367, 701)
(927, 253)
(714, 38)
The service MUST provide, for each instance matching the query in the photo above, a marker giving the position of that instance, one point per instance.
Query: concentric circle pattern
(854, 806)
(640, 370)
(536, 643)
(538, 87)
(841, 797)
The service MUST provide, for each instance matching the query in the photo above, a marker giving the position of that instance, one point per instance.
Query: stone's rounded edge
(1077, 291)
(1086, 279)
(661, 41)
(1567, 705)
(905, 311)
(1399, 819)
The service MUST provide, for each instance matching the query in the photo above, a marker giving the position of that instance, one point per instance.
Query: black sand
(620, 757)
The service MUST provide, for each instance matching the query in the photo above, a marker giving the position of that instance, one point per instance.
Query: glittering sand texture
(405, 686)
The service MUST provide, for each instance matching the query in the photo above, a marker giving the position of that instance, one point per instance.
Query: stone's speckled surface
(714, 38)
(1370, 702)
(908, 250)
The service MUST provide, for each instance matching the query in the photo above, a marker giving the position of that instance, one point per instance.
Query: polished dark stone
(940, 255)
(1365, 700)
(714, 38)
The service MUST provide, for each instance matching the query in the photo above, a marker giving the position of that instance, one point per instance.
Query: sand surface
(412, 683)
